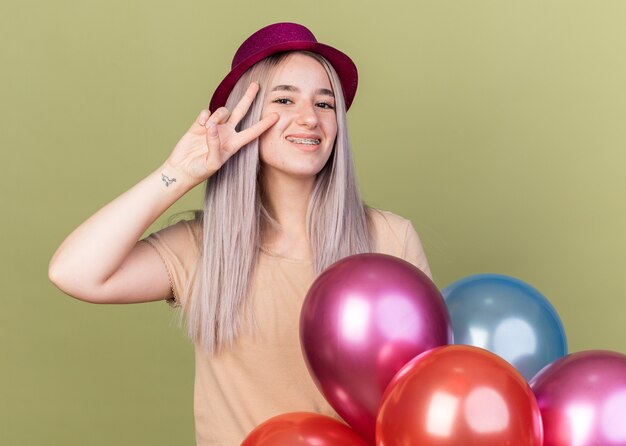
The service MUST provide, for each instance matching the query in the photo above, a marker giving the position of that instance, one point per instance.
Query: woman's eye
(326, 105)
(282, 101)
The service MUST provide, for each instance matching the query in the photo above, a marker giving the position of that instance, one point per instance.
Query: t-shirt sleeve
(414, 251)
(178, 247)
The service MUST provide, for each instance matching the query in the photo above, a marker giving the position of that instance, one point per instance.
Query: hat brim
(343, 65)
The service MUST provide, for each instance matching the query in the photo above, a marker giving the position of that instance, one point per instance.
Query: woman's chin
(296, 172)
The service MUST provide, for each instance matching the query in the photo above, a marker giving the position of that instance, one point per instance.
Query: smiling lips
(304, 140)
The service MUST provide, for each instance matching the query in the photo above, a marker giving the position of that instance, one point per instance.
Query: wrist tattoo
(167, 180)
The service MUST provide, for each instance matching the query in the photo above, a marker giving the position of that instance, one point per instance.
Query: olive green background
(496, 126)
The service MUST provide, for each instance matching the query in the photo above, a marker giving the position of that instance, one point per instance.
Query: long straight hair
(234, 217)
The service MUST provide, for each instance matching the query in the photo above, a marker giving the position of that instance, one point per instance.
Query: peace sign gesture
(212, 139)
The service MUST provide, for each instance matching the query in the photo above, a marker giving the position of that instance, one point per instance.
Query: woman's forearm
(96, 249)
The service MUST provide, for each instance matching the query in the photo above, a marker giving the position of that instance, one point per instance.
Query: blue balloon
(508, 317)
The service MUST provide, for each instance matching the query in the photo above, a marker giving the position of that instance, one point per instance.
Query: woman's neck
(286, 198)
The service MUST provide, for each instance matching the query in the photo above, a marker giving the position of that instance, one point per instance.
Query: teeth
(309, 141)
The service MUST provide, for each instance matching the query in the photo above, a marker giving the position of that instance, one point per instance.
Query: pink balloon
(582, 398)
(362, 320)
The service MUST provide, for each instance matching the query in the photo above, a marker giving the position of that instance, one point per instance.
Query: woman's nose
(307, 115)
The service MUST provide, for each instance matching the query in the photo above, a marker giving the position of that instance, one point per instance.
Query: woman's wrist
(175, 180)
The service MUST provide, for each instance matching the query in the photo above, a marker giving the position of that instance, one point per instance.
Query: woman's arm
(101, 261)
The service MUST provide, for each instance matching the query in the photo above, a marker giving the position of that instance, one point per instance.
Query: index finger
(243, 105)
(251, 133)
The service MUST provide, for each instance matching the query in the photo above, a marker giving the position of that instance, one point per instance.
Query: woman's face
(301, 142)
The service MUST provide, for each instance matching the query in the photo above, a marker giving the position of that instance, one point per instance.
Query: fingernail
(212, 129)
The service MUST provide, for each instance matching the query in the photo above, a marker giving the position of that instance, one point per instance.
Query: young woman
(281, 205)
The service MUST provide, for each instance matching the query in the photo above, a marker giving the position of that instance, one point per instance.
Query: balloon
(458, 395)
(302, 429)
(582, 398)
(363, 318)
(507, 317)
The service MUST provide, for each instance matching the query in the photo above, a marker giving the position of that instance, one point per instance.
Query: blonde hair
(234, 216)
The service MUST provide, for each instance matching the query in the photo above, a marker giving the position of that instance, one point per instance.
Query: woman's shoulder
(381, 216)
(389, 230)
(396, 236)
(184, 235)
(195, 228)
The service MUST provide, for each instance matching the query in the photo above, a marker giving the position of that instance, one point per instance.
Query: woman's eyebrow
(291, 88)
(285, 88)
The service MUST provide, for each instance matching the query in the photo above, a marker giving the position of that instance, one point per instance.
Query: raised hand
(212, 139)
